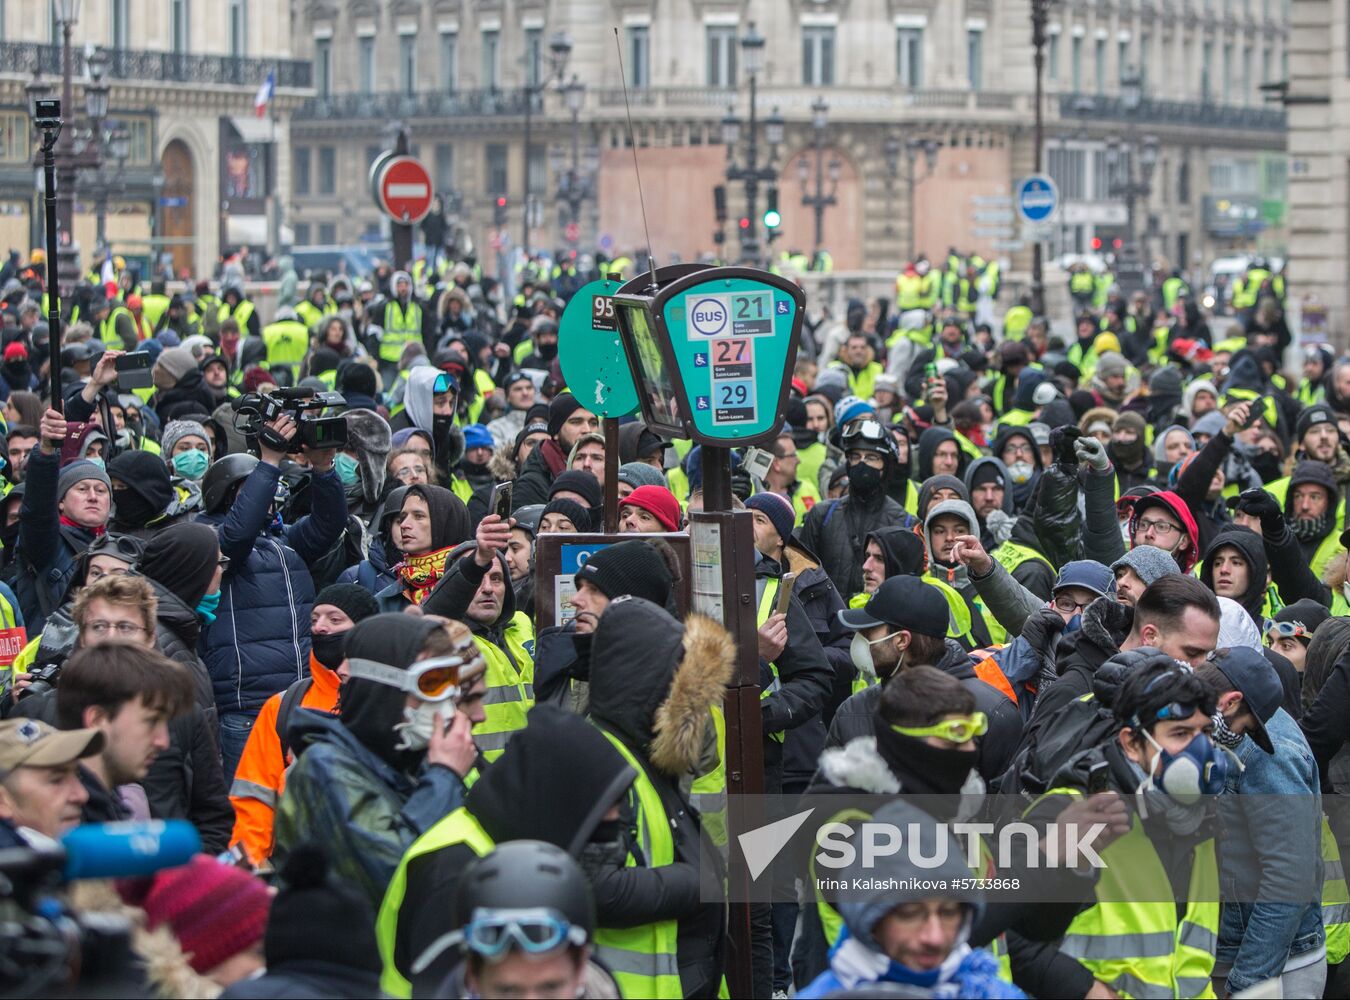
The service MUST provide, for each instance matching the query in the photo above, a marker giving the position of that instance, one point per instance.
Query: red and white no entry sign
(403, 189)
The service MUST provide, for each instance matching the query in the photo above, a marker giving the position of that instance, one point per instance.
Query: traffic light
(499, 211)
(745, 222)
(772, 218)
(1096, 243)
(720, 203)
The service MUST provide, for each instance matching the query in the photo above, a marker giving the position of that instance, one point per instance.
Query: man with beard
(858, 362)
(1128, 451)
(568, 420)
(836, 530)
(991, 495)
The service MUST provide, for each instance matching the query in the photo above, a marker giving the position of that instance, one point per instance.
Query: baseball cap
(1087, 574)
(30, 743)
(1252, 674)
(902, 602)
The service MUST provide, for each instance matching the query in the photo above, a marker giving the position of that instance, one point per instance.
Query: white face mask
(860, 651)
(1020, 472)
(418, 725)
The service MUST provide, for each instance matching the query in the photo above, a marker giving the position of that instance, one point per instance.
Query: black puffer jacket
(1079, 655)
(837, 530)
(995, 747)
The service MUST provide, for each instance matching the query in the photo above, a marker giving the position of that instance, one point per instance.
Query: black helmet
(520, 879)
(528, 517)
(869, 435)
(223, 476)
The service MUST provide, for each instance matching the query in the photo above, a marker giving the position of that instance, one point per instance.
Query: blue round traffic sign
(1037, 198)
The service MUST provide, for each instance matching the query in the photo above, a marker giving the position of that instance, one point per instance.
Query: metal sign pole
(401, 235)
(611, 427)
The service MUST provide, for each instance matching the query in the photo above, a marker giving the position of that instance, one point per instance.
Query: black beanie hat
(560, 408)
(353, 600)
(353, 376)
(145, 474)
(987, 472)
(580, 482)
(570, 509)
(633, 568)
(316, 918)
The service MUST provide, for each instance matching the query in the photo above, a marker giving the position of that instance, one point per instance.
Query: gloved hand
(1259, 503)
(1093, 452)
(1041, 629)
(1062, 446)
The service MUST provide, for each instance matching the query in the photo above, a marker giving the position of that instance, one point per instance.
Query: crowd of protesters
(1070, 563)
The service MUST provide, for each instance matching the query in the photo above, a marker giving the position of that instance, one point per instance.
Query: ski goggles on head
(491, 932)
(437, 679)
(1286, 630)
(864, 430)
(952, 730)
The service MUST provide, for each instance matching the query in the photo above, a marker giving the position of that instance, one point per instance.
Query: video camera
(253, 411)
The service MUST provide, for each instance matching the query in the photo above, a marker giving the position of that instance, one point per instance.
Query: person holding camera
(259, 641)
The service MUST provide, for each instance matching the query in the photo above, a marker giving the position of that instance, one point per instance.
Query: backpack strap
(290, 701)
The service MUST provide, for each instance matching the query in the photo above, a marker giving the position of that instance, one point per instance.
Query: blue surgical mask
(191, 464)
(347, 469)
(97, 461)
(206, 607)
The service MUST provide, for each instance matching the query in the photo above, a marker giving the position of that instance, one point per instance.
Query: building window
(1184, 183)
(639, 56)
(534, 43)
(909, 57)
(365, 58)
(178, 26)
(1066, 167)
(818, 56)
(1145, 43)
(1122, 59)
(327, 234)
(538, 170)
(721, 56)
(407, 64)
(1076, 57)
(975, 57)
(300, 170)
(1052, 57)
(119, 24)
(327, 170)
(1246, 75)
(323, 66)
(1099, 54)
(498, 180)
(1265, 64)
(449, 61)
(491, 46)
(1227, 79)
(1206, 71)
(238, 27)
(14, 141)
(445, 167)
(300, 230)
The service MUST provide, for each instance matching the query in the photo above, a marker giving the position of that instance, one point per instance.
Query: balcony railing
(790, 100)
(168, 67)
(462, 104)
(1191, 114)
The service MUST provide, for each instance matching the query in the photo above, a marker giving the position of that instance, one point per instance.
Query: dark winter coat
(537, 474)
(259, 642)
(1253, 549)
(837, 530)
(1106, 623)
(303, 980)
(47, 549)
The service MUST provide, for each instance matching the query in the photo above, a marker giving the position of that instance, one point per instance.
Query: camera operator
(40, 787)
(259, 640)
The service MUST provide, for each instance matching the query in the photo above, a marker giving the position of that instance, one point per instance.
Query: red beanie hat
(257, 376)
(657, 501)
(214, 910)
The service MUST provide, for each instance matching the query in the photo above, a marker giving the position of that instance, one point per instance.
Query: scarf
(96, 532)
(420, 574)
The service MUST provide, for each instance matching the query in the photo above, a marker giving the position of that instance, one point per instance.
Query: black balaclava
(182, 559)
(923, 769)
(371, 710)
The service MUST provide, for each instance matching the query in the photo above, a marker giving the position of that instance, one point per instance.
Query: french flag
(265, 91)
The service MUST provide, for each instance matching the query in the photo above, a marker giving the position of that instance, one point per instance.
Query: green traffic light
(772, 219)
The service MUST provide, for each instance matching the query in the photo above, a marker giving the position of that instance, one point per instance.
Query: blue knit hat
(778, 509)
(477, 436)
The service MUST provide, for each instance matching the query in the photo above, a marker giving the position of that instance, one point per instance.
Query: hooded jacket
(368, 437)
(934, 483)
(1253, 550)
(1177, 506)
(1021, 492)
(554, 782)
(904, 552)
(450, 526)
(997, 525)
(929, 441)
(662, 714)
(836, 530)
(1160, 463)
(349, 788)
(957, 576)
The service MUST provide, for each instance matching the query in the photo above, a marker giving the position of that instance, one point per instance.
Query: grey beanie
(77, 472)
(1150, 562)
(176, 431)
(637, 474)
(177, 361)
(1112, 363)
(1211, 423)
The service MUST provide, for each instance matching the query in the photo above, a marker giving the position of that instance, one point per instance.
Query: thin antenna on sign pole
(632, 141)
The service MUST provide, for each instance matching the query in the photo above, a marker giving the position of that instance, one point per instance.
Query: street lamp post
(820, 200)
(1040, 10)
(893, 149)
(1123, 183)
(118, 143)
(560, 47)
(66, 12)
(752, 174)
(575, 184)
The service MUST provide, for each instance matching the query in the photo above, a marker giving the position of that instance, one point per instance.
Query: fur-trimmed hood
(654, 681)
(162, 961)
(501, 465)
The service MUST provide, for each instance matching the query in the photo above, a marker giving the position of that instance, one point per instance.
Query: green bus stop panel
(731, 338)
(591, 354)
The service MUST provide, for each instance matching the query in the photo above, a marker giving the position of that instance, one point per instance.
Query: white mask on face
(860, 651)
(1020, 472)
(418, 725)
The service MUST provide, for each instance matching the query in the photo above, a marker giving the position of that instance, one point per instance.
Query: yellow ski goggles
(951, 730)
